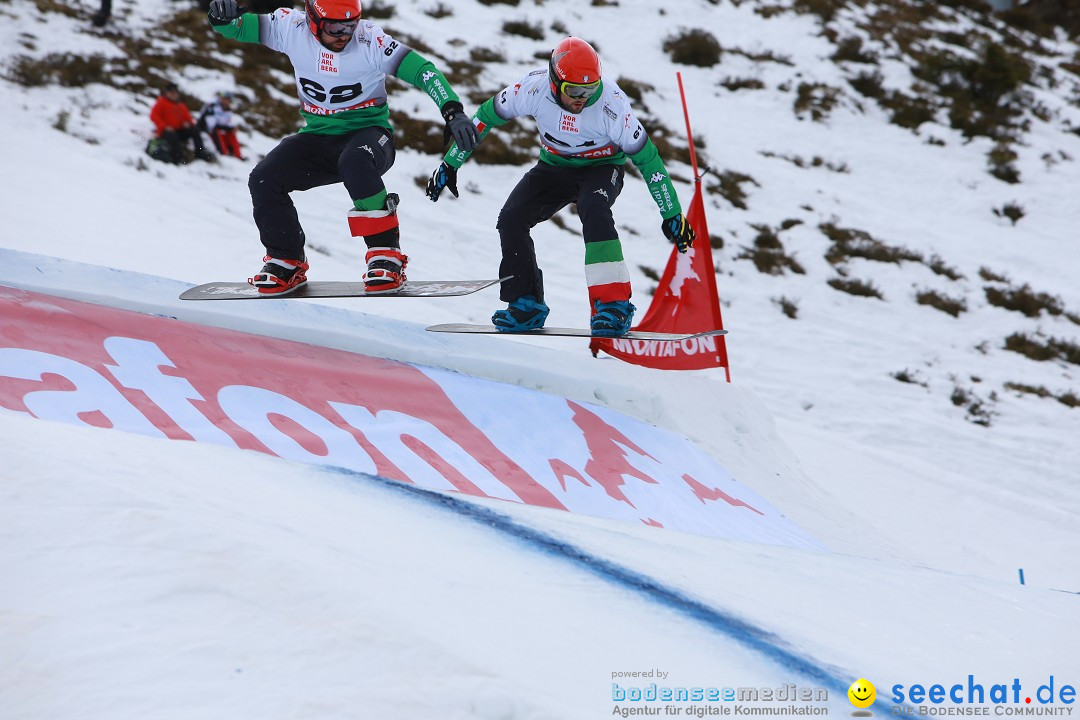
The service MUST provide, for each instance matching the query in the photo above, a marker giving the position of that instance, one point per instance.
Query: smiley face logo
(862, 693)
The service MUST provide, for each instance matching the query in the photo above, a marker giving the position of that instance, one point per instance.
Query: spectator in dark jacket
(175, 127)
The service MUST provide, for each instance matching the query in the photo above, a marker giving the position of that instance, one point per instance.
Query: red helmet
(574, 61)
(322, 11)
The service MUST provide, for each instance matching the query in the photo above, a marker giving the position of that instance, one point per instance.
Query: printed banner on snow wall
(87, 364)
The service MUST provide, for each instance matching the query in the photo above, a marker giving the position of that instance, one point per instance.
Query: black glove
(445, 176)
(222, 12)
(678, 231)
(459, 127)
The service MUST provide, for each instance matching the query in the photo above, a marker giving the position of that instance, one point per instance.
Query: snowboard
(335, 289)
(572, 332)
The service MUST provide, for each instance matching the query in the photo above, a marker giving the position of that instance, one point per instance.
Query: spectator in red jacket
(175, 126)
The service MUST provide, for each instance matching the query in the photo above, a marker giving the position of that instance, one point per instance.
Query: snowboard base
(334, 289)
(571, 332)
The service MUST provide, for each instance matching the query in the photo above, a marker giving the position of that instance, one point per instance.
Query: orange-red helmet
(321, 11)
(574, 61)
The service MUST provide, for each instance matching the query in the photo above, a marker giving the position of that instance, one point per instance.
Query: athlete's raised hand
(223, 12)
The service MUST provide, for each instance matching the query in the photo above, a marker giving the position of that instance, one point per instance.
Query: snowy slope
(162, 579)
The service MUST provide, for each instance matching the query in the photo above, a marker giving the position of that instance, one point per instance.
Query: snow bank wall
(85, 363)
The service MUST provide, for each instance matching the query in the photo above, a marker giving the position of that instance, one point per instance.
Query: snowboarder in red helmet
(334, 19)
(574, 72)
(340, 63)
(587, 130)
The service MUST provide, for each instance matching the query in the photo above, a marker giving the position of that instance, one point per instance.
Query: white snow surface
(157, 579)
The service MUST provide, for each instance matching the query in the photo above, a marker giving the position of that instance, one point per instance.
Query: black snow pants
(304, 161)
(176, 139)
(542, 192)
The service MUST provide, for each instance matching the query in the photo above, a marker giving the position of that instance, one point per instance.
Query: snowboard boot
(385, 269)
(279, 277)
(385, 261)
(525, 313)
(612, 319)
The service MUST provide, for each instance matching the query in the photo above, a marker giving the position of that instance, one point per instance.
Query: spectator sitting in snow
(174, 126)
(219, 122)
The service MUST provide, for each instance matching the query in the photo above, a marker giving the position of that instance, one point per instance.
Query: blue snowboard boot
(525, 313)
(612, 319)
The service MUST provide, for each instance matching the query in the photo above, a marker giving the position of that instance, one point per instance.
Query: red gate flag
(685, 301)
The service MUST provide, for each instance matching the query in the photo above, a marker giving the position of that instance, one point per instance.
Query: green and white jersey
(340, 92)
(329, 82)
(606, 131)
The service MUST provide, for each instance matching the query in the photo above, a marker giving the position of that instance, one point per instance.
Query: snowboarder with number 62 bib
(340, 63)
(587, 130)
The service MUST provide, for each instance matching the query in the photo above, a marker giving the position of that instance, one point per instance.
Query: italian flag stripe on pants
(605, 271)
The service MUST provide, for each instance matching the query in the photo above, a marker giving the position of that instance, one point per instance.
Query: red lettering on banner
(448, 471)
(704, 494)
(85, 364)
(608, 464)
(299, 434)
(78, 394)
(383, 465)
(14, 391)
(95, 418)
(568, 124)
(563, 470)
(111, 362)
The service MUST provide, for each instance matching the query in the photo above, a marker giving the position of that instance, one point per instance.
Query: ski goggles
(577, 91)
(339, 28)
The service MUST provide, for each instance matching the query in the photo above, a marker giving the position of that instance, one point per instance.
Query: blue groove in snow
(751, 636)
